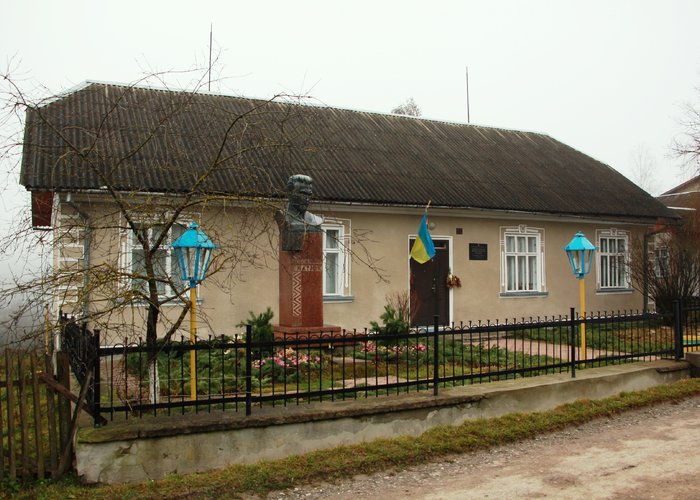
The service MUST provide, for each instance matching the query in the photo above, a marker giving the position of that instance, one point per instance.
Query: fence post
(36, 400)
(572, 340)
(678, 329)
(96, 406)
(63, 376)
(248, 369)
(51, 412)
(436, 355)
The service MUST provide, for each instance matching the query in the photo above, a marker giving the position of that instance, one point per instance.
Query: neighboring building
(684, 197)
(684, 200)
(504, 203)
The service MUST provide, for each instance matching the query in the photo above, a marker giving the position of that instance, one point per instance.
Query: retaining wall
(151, 448)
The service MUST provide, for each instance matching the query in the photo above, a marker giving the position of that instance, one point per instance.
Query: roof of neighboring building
(140, 139)
(684, 196)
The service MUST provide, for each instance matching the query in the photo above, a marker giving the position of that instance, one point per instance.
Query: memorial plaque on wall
(478, 251)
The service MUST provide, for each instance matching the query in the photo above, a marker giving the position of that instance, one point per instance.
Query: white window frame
(130, 242)
(68, 254)
(661, 261)
(342, 289)
(609, 261)
(510, 255)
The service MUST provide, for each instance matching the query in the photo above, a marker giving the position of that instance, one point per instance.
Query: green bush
(262, 331)
(394, 323)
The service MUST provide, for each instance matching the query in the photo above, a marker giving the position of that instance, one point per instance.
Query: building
(673, 248)
(104, 159)
(684, 197)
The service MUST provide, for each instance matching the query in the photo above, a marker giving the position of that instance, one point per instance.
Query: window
(165, 266)
(69, 250)
(613, 259)
(336, 258)
(522, 268)
(661, 262)
(333, 259)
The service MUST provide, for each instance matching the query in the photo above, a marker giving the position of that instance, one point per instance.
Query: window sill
(508, 295)
(338, 299)
(606, 291)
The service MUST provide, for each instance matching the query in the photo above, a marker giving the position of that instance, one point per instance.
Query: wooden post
(51, 417)
(2, 444)
(23, 415)
(64, 413)
(10, 417)
(67, 454)
(38, 439)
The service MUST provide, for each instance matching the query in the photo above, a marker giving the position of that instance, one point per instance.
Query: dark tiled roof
(162, 141)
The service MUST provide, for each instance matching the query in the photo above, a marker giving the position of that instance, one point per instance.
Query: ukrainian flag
(423, 249)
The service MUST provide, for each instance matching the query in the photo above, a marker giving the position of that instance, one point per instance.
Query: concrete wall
(139, 450)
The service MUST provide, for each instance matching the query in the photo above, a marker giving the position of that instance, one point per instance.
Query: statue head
(299, 189)
(297, 221)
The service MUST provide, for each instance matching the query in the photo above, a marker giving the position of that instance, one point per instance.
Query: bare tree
(131, 186)
(643, 168)
(409, 108)
(102, 288)
(666, 263)
(687, 146)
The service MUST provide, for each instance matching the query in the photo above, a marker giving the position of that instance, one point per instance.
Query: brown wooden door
(425, 301)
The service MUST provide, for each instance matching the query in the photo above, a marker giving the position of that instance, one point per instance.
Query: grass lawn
(348, 461)
(625, 337)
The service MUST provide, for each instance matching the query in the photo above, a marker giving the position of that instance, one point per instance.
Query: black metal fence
(686, 324)
(237, 374)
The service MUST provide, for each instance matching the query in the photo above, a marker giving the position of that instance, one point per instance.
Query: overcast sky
(606, 77)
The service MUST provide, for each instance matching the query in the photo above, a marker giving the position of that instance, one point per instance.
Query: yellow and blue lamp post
(193, 251)
(580, 252)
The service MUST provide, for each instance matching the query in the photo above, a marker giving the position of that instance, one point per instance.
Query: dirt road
(649, 453)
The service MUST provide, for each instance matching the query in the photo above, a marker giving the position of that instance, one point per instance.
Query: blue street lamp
(580, 252)
(193, 251)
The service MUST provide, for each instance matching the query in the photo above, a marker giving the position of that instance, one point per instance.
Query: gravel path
(653, 452)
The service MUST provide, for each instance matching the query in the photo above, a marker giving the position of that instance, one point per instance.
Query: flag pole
(436, 309)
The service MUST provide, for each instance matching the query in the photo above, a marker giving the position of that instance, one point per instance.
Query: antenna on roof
(211, 30)
(468, 117)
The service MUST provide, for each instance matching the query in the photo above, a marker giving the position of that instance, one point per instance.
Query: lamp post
(580, 252)
(193, 252)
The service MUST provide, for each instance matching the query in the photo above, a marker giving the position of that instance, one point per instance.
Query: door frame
(449, 239)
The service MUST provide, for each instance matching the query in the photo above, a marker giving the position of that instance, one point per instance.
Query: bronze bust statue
(297, 220)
